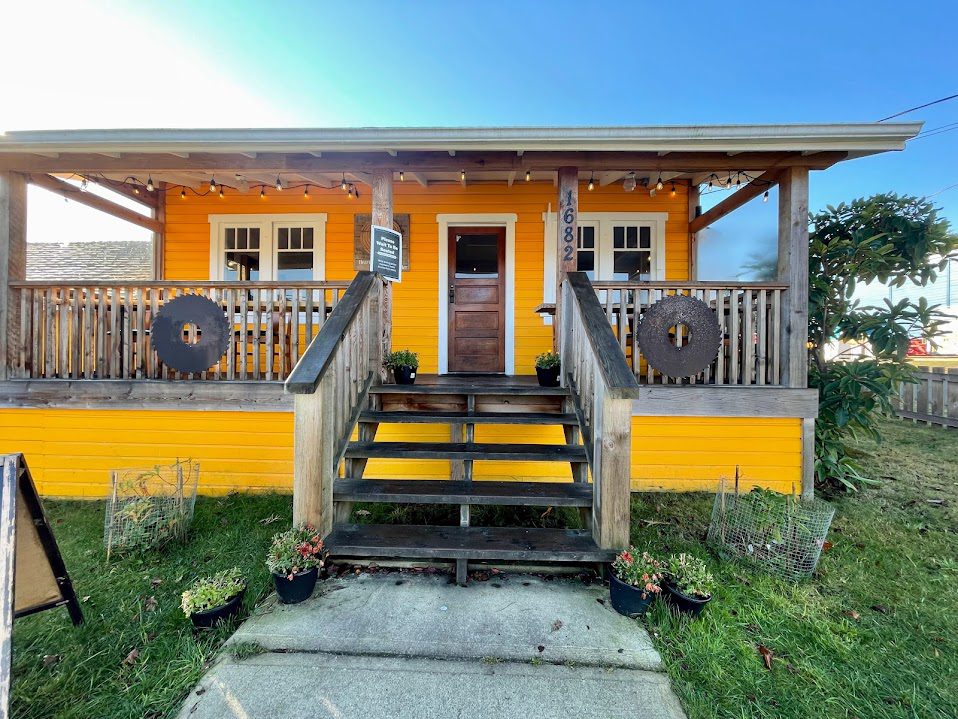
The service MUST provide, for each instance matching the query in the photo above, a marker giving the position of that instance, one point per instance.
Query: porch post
(13, 265)
(159, 237)
(793, 271)
(567, 244)
(382, 215)
(694, 208)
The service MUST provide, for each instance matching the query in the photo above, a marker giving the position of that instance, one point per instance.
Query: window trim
(268, 224)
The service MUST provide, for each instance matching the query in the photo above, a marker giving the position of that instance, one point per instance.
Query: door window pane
(631, 265)
(241, 266)
(585, 255)
(477, 256)
(294, 266)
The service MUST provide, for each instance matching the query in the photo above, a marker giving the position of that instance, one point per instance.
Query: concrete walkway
(403, 645)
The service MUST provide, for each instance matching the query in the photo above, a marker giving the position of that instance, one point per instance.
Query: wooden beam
(145, 198)
(793, 270)
(738, 198)
(423, 161)
(607, 178)
(510, 180)
(71, 192)
(419, 177)
(13, 265)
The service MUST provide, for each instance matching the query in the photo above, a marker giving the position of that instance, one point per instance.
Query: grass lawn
(875, 634)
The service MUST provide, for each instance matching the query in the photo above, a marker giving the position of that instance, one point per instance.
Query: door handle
(452, 294)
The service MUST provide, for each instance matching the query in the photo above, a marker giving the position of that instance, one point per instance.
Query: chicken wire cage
(779, 533)
(149, 507)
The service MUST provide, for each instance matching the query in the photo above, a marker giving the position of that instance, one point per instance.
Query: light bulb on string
(672, 191)
(462, 175)
(149, 184)
(738, 181)
(262, 193)
(222, 192)
(136, 190)
(306, 192)
(183, 194)
(402, 176)
(343, 185)
(349, 192)
(591, 182)
(83, 185)
(728, 181)
(658, 184)
(710, 182)
(528, 175)
(212, 184)
(279, 184)
(765, 196)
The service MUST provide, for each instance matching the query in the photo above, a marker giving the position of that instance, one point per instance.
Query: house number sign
(567, 231)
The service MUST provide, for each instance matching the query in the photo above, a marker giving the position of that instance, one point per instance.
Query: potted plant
(214, 599)
(404, 364)
(295, 558)
(547, 369)
(635, 581)
(688, 583)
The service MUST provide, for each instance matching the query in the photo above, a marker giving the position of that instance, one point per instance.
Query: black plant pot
(405, 375)
(297, 589)
(548, 376)
(223, 613)
(692, 606)
(628, 600)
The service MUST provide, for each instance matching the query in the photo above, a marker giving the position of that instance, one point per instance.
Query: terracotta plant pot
(223, 613)
(297, 589)
(548, 376)
(628, 600)
(404, 375)
(692, 606)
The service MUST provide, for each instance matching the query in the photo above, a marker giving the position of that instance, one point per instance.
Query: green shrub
(548, 360)
(402, 358)
(689, 575)
(211, 592)
(642, 571)
(295, 551)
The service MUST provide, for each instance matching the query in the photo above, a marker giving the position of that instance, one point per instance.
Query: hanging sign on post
(385, 253)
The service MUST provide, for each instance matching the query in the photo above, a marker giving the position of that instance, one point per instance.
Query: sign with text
(385, 253)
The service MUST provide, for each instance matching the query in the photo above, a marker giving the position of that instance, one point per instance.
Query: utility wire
(919, 107)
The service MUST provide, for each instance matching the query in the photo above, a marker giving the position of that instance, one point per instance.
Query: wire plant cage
(150, 507)
(779, 533)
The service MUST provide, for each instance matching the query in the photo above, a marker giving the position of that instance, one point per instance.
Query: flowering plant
(548, 360)
(689, 575)
(211, 592)
(296, 551)
(642, 571)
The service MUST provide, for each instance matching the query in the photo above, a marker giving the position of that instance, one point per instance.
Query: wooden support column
(567, 243)
(13, 265)
(611, 471)
(159, 236)
(382, 215)
(793, 271)
(694, 200)
(314, 446)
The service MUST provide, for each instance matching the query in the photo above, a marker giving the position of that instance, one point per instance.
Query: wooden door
(476, 296)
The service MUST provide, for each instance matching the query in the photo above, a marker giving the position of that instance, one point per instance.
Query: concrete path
(403, 645)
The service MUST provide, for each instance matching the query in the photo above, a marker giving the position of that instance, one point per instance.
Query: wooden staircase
(453, 402)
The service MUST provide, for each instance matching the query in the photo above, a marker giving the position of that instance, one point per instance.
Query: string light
(83, 185)
(356, 192)
(306, 192)
(658, 184)
(343, 185)
(672, 191)
(728, 181)
(765, 196)
(710, 180)
(279, 184)
(183, 194)
(262, 193)
(136, 190)
(591, 182)
(212, 184)
(528, 175)
(349, 192)
(738, 181)
(149, 184)
(628, 184)
(402, 176)
(462, 175)
(222, 191)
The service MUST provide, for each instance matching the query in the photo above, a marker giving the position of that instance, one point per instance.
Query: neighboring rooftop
(126, 261)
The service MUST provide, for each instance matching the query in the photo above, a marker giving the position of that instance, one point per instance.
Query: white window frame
(603, 222)
(267, 225)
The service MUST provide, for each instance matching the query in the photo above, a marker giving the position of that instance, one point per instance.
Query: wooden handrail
(620, 382)
(146, 284)
(309, 371)
(679, 285)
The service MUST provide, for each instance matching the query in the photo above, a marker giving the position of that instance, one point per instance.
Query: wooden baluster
(735, 338)
(230, 295)
(270, 331)
(308, 313)
(762, 369)
(244, 333)
(37, 361)
(723, 328)
(635, 318)
(151, 350)
(63, 333)
(257, 321)
(748, 349)
(776, 338)
(294, 329)
(128, 323)
(139, 297)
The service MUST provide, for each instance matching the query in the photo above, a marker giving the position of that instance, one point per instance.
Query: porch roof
(679, 152)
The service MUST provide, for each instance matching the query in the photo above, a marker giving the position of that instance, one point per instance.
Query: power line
(937, 131)
(943, 189)
(919, 107)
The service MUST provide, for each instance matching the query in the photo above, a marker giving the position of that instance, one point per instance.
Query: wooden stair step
(443, 417)
(468, 450)
(419, 491)
(477, 543)
(466, 389)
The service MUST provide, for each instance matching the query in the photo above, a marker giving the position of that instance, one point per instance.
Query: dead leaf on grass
(852, 614)
(131, 657)
(880, 608)
(826, 545)
(766, 655)
(155, 582)
(50, 659)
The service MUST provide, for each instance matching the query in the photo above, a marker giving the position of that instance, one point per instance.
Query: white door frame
(507, 220)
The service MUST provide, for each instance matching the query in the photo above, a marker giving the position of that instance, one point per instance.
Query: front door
(477, 299)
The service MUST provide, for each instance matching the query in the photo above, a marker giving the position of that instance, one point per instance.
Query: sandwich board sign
(33, 576)
(385, 253)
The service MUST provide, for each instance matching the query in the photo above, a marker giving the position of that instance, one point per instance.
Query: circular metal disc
(658, 347)
(166, 333)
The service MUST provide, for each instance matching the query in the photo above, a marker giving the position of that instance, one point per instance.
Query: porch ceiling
(321, 156)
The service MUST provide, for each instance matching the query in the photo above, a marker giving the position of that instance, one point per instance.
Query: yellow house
(516, 241)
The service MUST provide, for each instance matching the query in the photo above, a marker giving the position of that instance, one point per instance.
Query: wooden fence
(933, 400)
(749, 316)
(98, 331)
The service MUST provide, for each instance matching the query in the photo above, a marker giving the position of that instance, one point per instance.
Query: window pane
(295, 238)
(242, 238)
(307, 238)
(618, 237)
(241, 266)
(585, 262)
(631, 265)
(587, 237)
(631, 236)
(645, 238)
(294, 266)
(230, 238)
(282, 240)
(254, 238)
(477, 256)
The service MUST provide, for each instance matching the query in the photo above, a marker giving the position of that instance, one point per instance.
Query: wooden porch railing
(749, 315)
(602, 386)
(330, 384)
(100, 331)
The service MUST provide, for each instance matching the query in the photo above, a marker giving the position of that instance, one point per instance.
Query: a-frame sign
(32, 574)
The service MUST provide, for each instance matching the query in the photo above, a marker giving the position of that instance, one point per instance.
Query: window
(631, 252)
(287, 248)
(585, 250)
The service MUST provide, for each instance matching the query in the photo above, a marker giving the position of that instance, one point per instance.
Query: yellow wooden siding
(415, 300)
(71, 452)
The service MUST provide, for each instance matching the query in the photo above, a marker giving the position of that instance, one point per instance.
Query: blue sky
(356, 63)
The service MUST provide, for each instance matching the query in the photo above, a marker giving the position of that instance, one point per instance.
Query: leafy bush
(402, 358)
(296, 551)
(892, 240)
(212, 592)
(641, 571)
(688, 574)
(547, 360)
